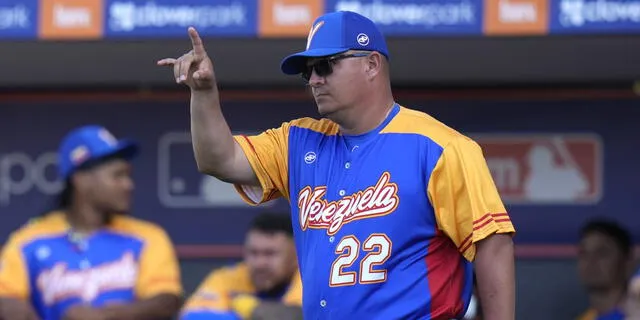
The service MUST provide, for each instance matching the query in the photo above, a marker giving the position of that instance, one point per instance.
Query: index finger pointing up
(196, 42)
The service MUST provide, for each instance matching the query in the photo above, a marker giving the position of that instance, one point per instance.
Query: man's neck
(606, 300)
(85, 219)
(278, 291)
(366, 118)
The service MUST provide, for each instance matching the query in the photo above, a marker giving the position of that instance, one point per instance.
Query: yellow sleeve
(465, 199)
(588, 315)
(159, 268)
(267, 153)
(293, 296)
(14, 279)
(210, 296)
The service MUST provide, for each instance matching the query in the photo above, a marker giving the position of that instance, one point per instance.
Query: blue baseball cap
(334, 33)
(91, 143)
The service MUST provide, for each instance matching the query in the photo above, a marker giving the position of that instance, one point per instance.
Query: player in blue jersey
(392, 209)
(605, 259)
(88, 260)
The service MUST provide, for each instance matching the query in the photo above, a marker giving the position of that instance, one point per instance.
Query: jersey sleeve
(465, 199)
(14, 277)
(159, 268)
(267, 153)
(588, 315)
(210, 300)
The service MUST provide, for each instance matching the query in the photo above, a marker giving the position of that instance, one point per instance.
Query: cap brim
(128, 149)
(295, 63)
(125, 149)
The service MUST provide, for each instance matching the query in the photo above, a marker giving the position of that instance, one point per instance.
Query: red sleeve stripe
(488, 218)
(481, 223)
(271, 194)
(465, 244)
(490, 215)
(274, 191)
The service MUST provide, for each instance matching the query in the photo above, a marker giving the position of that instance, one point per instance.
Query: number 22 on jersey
(378, 249)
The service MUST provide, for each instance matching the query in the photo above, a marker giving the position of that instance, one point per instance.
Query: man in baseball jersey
(605, 262)
(87, 260)
(266, 285)
(391, 208)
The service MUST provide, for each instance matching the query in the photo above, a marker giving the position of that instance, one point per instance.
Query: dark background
(603, 60)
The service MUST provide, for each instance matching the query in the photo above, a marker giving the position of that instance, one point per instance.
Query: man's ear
(374, 64)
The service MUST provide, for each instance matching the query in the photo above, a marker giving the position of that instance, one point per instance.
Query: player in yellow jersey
(88, 260)
(265, 285)
(604, 263)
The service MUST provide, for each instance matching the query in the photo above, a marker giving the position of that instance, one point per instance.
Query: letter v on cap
(313, 31)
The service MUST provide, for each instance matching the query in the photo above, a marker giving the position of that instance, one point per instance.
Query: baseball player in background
(605, 262)
(392, 209)
(265, 286)
(87, 260)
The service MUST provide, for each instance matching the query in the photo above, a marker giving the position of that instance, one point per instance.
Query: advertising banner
(155, 19)
(416, 17)
(287, 18)
(594, 16)
(170, 18)
(516, 17)
(71, 19)
(18, 19)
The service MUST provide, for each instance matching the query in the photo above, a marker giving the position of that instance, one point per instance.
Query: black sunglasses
(324, 67)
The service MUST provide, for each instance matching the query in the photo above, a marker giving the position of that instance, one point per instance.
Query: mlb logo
(545, 169)
(181, 185)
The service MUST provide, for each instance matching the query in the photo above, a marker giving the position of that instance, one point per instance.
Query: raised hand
(193, 68)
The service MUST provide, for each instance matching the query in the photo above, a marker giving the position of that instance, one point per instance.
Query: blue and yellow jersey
(616, 313)
(43, 264)
(213, 299)
(591, 314)
(386, 223)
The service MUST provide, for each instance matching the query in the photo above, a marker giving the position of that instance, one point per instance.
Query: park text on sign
(545, 169)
